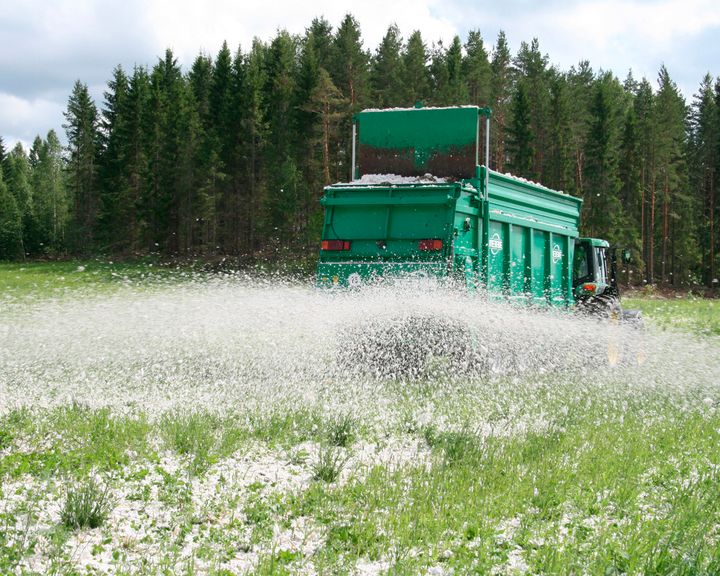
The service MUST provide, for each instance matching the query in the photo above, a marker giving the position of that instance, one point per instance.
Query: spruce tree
(559, 163)
(51, 201)
(253, 147)
(631, 190)
(308, 72)
(167, 124)
(457, 92)
(439, 75)
(349, 70)
(414, 72)
(521, 138)
(532, 67)
(18, 182)
(221, 115)
(386, 72)
(705, 136)
(82, 133)
(200, 209)
(10, 224)
(476, 70)
(320, 35)
(580, 85)
(136, 133)
(602, 211)
(314, 155)
(644, 110)
(281, 116)
(675, 232)
(350, 64)
(501, 90)
(113, 217)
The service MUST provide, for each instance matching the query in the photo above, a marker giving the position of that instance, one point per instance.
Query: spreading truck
(420, 205)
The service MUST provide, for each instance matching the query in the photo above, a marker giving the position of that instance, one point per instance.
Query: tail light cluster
(336, 245)
(430, 245)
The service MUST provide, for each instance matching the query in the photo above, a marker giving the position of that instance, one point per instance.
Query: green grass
(607, 471)
(602, 490)
(329, 464)
(54, 279)
(87, 505)
(698, 315)
(70, 440)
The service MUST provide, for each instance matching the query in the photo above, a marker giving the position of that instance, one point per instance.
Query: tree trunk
(326, 144)
(711, 278)
(579, 172)
(666, 222)
(651, 236)
(643, 237)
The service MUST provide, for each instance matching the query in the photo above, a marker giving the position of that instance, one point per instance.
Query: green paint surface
(423, 129)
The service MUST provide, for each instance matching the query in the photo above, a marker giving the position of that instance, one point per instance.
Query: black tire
(605, 307)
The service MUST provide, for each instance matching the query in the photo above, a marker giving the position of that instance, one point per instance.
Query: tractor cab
(595, 282)
(593, 269)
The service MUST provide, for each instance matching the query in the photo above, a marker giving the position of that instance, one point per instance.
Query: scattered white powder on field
(371, 567)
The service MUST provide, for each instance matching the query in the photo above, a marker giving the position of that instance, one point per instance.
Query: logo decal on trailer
(556, 254)
(496, 244)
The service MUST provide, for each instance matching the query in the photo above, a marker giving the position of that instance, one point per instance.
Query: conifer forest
(228, 155)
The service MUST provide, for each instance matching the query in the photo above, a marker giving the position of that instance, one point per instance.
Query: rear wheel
(605, 307)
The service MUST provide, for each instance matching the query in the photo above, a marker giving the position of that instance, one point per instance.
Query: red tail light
(589, 288)
(335, 245)
(431, 244)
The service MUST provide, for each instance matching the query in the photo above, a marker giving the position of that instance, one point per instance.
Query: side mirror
(626, 256)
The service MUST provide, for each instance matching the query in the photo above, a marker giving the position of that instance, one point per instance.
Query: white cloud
(614, 35)
(188, 26)
(17, 114)
(621, 32)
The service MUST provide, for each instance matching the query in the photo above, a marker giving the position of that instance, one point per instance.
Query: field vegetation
(197, 428)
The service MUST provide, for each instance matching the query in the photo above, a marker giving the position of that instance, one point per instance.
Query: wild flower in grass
(329, 464)
(86, 505)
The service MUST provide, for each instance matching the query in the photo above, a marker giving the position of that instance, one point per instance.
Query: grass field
(195, 429)
(687, 313)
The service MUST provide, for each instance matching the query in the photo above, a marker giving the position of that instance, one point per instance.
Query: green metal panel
(417, 141)
(496, 254)
(521, 202)
(539, 273)
(541, 225)
(517, 263)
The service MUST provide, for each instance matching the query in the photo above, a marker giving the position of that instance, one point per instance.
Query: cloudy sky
(48, 44)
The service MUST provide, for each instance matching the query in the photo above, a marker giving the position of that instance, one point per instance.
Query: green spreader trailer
(420, 205)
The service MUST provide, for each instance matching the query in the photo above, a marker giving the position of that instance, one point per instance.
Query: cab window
(600, 257)
(582, 264)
